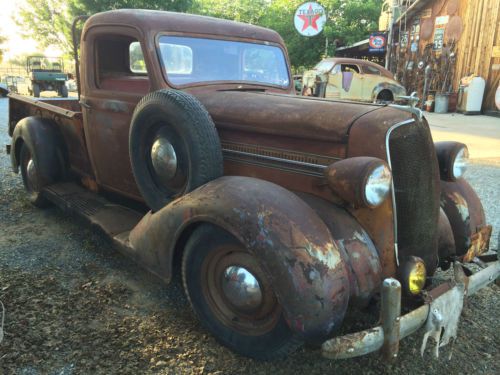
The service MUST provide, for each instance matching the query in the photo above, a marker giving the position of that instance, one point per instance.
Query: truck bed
(66, 114)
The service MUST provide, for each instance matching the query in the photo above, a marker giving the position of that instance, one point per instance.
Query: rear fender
(291, 243)
(44, 139)
(394, 88)
(464, 211)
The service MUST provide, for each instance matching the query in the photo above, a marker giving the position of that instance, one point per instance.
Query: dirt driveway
(75, 306)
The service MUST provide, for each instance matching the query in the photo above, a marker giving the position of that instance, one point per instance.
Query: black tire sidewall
(277, 343)
(64, 91)
(36, 90)
(171, 110)
(35, 196)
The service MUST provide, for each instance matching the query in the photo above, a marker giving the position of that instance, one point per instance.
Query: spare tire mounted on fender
(174, 146)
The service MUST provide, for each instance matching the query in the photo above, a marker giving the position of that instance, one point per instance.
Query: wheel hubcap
(164, 159)
(31, 173)
(241, 288)
(238, 291)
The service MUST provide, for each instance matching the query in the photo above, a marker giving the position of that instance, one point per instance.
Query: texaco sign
(309, 19)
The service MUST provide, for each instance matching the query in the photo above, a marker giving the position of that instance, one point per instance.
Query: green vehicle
(46, 74)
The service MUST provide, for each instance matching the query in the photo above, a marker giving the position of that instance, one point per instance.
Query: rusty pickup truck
(188, 147)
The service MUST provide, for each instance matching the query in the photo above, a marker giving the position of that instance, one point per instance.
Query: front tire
(233, 297)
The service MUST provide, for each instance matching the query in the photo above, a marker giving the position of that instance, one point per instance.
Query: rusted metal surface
(464, 211)
(480, 243)
(348, 177)
(446, 242)
(370, 340)
(290, 241)
(362, 85)
(378, 222)
(362, 259)
(389, 316)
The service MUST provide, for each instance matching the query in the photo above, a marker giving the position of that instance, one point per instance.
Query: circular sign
(309, 19)
(377, 41)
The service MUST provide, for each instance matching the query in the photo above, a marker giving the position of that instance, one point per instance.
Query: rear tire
(36, 90)
(219, 279)
(31, 177)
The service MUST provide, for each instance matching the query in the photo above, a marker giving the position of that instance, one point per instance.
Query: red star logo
(310, 19)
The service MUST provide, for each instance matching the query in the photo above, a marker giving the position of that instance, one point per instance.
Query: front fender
(464, 210)
(291, 243)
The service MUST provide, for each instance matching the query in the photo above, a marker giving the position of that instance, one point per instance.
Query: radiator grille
(416, 187)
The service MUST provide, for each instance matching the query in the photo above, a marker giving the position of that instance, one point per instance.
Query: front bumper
(394, 326)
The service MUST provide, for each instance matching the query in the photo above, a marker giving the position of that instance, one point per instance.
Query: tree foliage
(348, 20)
(49, 21)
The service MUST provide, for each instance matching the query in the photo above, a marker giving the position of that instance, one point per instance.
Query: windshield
(193, 60)
(324, 66)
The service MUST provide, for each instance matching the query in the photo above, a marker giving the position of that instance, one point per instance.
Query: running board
(113, 219)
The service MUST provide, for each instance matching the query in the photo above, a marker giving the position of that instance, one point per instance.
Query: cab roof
(156, 21)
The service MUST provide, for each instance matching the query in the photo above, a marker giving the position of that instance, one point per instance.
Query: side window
(136, 58)
(350, 68)
(367, 69)
(120, 65)
(336, 69)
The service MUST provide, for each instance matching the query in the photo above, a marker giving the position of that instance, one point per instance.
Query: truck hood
(278, 114)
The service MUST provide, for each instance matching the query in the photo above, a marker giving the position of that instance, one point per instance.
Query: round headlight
(378, 185)
(460, 163)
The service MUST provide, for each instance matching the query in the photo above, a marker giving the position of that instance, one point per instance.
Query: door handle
(84, 104)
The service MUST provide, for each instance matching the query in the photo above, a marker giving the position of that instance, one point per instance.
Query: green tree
(249, 11)
(49, 21)
(348, 21)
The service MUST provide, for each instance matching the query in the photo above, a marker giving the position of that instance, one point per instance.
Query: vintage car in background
(188, 147)
(351, 79)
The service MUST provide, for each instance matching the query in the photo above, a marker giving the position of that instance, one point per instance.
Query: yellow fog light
(416, 278)
(413, 275)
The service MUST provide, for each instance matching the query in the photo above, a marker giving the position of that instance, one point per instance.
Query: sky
(15, 44)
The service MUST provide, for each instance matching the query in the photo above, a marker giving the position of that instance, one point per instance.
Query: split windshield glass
(196, 60)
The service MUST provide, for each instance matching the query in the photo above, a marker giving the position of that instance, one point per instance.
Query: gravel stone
(76, 306)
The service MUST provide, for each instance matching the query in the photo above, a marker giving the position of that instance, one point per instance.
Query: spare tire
(174, 146)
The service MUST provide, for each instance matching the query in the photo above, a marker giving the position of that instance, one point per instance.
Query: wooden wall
(481, 32)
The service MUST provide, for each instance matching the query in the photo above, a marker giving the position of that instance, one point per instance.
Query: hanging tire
(233, 297)
(36, 90)
(31, 177)
(174, 146)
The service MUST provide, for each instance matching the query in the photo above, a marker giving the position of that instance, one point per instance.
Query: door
(116, 81)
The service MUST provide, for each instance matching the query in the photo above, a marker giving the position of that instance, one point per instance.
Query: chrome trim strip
(393, 194)
(267, 161)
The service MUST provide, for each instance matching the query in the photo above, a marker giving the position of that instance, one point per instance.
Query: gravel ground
(74, 305)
